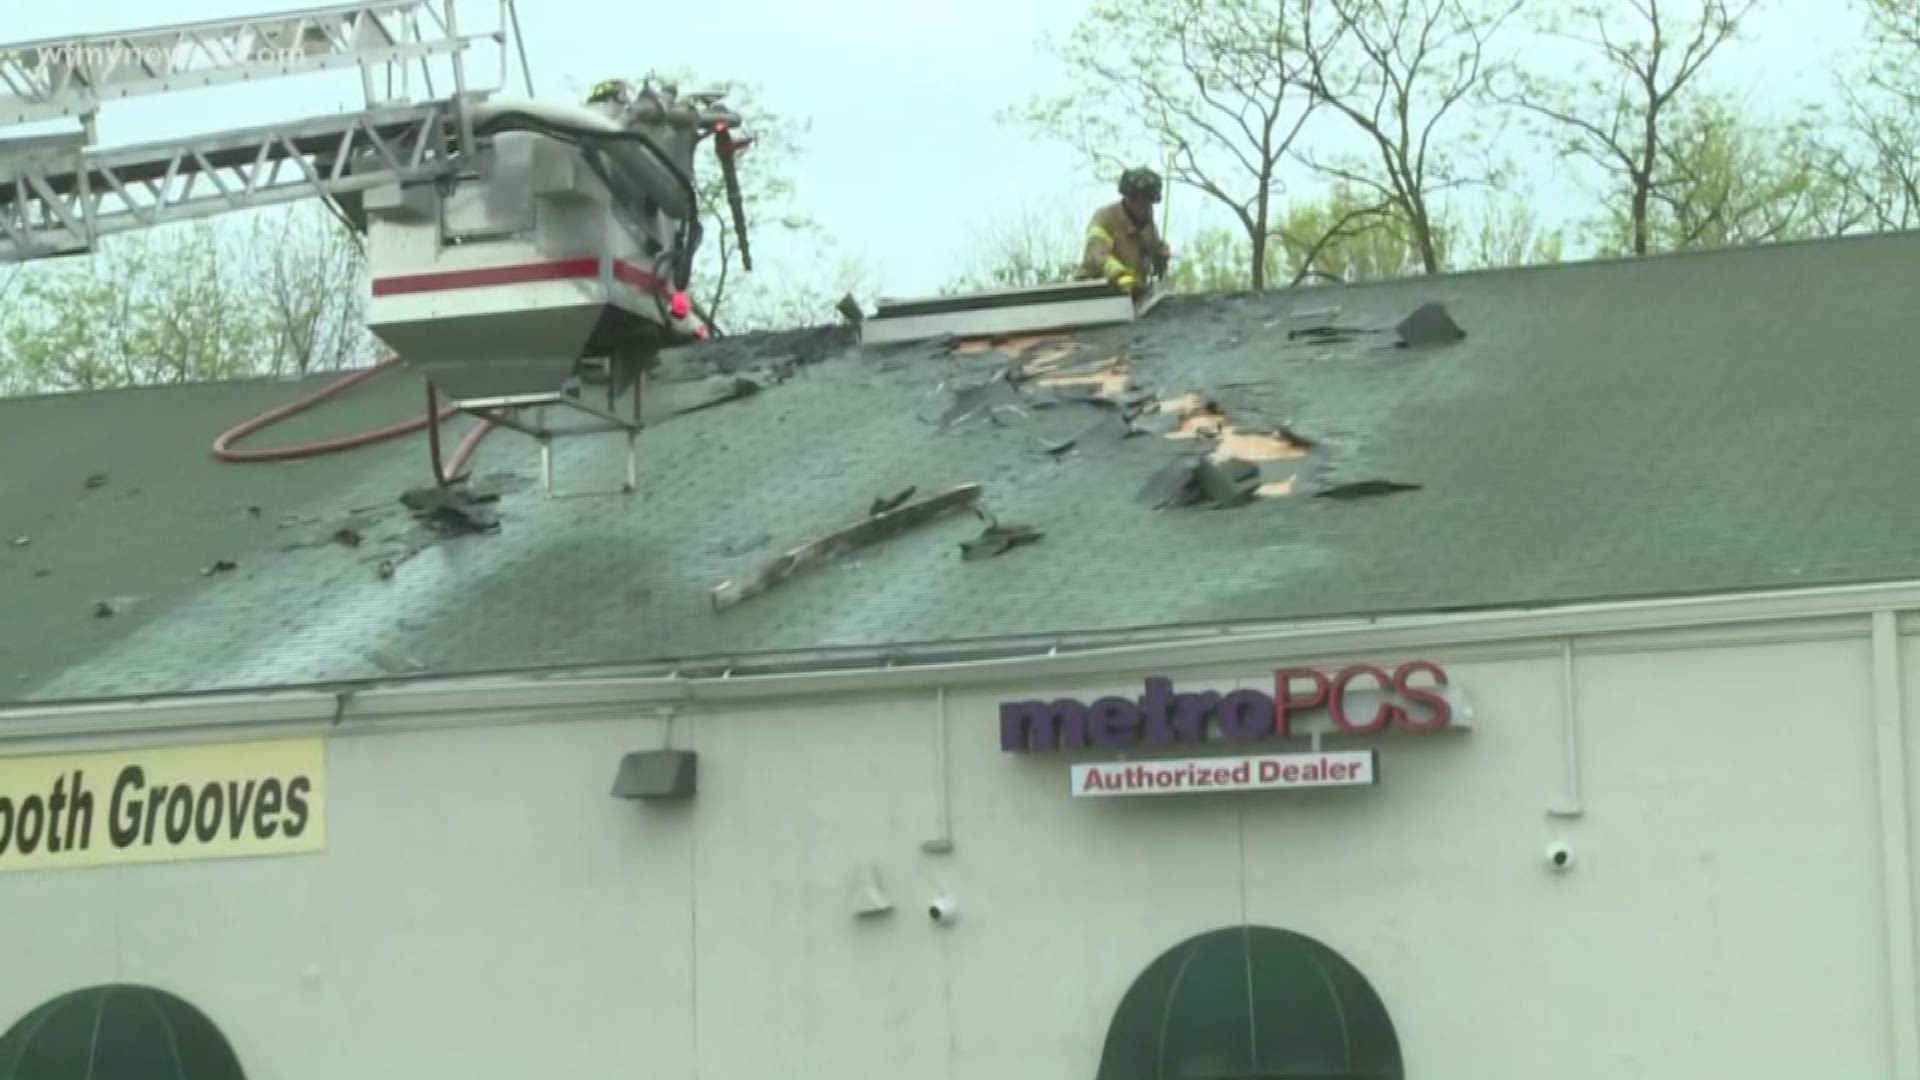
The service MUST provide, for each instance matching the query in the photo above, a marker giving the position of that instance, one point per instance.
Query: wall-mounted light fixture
(656, 774)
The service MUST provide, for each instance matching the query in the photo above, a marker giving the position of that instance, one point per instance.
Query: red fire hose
(223, 446)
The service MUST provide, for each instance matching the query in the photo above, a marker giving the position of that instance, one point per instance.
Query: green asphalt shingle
(1691, 424)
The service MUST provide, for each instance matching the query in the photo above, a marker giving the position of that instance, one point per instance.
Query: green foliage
(1339, 237)
(1721, 180)
(1507, 233)
(1874, 156)
(1403, 75)
(1032, 246)
(1342, 237)
(731, 296)
(206, 300)
(1218, 261)
(1350, 236)
(1616, 112)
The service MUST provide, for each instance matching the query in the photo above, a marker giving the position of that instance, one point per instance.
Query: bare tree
(1725, 180)
(766, 186)
(310, 279)
(1398, 72)
(1211, 85)
(1214, 260)
(1880, 170)
(799, 291)
(1349, 236)
(1340, 236)
(1618, 118)
(1507, 233)
(1032, 246)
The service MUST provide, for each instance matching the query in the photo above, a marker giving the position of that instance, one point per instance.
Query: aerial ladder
(519, 252)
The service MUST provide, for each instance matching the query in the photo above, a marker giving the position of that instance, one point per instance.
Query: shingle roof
(1712, 422)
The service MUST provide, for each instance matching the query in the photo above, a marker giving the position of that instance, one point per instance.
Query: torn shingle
(997, 539)
(983, 400)
(1198, 480)
(452, 511)
(720, 390)
(1430, 324)
(1230, 482)
(1109, 429)
(870, 530)
(1364, 489)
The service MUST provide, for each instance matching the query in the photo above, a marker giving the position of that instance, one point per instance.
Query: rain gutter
(629, 691)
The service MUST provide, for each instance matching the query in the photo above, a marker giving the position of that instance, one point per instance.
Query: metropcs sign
(1359, 699)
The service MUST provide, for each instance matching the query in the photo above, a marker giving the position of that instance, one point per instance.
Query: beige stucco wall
(485, 910)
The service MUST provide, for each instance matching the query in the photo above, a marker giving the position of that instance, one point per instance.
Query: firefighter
(617, 91)
(1122, 244)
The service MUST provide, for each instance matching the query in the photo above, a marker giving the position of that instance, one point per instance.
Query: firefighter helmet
(615, 90)
(1144, 183)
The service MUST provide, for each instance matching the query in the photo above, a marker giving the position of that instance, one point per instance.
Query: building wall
(484, 909)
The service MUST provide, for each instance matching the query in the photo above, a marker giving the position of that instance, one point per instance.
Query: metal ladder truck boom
(516, 248)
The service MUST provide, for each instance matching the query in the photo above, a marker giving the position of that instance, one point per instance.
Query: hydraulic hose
(224, 450)
(524, 119)
(582, 138)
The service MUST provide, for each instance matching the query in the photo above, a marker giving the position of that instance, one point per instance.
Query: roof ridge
(1762, 248)
(193, 384)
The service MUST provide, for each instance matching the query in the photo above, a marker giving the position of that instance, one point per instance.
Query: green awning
(1250, 1003)
(116, 1033)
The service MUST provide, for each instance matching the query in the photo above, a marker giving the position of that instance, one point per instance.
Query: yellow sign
(162, 804)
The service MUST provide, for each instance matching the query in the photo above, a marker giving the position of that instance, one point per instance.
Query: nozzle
(727, 147)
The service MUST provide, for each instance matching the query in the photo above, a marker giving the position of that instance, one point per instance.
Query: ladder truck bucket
(561, 257)
(570, 241)
(518, 251)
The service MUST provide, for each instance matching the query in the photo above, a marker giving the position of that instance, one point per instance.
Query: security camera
(1559, 857)
(944, 910)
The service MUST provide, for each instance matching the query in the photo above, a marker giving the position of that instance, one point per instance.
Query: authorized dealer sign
(1262, 773)
(1360, 699)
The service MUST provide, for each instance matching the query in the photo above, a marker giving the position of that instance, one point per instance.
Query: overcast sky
(905, 161)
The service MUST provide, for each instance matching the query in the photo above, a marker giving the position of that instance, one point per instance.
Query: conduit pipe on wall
(1571, 804)
(1896, 857)
(564, 693)
(942, 841)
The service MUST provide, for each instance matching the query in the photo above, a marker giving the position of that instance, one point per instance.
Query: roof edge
(582, 694)
(1761, 248)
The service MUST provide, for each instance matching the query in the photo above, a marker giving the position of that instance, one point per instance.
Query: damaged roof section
(1308, 453)
(1221, 457)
